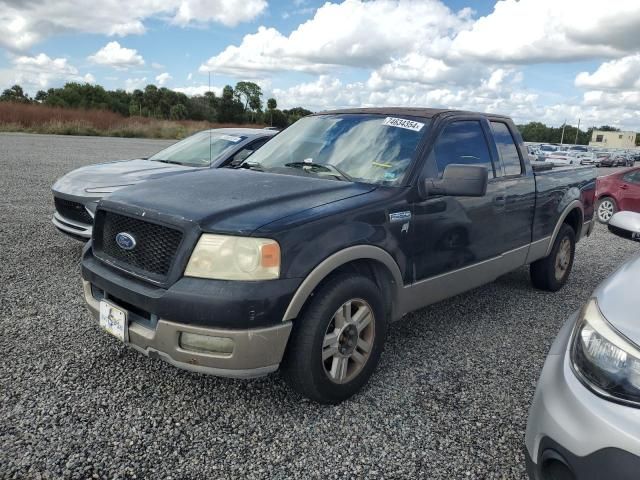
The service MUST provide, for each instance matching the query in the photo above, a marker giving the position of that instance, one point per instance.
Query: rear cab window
(507, 149)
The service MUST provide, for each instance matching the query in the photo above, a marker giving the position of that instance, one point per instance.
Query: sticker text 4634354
(403, 123)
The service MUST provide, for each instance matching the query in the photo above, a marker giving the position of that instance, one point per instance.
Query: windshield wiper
(326, 167)
(249, 166)
(173, 162)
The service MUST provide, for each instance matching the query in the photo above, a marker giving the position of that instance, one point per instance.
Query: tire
(605, 208)
(323, 319)
(552, 272)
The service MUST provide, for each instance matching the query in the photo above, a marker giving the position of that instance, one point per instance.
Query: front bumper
(71, 227)
(594, 438)
(199, 302)
(256, 352)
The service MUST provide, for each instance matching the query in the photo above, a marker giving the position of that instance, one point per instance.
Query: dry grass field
(18, 117)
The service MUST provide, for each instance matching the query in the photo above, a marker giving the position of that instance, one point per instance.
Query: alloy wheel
(563, 258)
(348, 341)
(605, 210)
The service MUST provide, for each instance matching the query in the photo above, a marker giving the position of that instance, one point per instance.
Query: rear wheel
(606, 208)
(552, 272)
(336, 343)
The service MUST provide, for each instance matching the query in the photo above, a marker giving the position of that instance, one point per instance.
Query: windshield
(352, 147)
(198, 150)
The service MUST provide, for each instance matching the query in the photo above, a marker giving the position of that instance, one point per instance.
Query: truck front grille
(155, 247)
(72, 210)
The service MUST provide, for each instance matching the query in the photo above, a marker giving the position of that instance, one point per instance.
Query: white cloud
(259, 53)
(89, 78)
(423, 53)
(352, 33)
(39, 71)
(43, 63)
(529, 31)
(131, 84)
(198, 90)
(501, 92)
(623, 73)
(227, 12)
(163, 78)
(625, 100)
(425, 41)
(25, 23)
(497, 94)
(116, 56)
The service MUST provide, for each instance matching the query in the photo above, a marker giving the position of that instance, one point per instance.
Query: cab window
(461, 142)
(506, 148)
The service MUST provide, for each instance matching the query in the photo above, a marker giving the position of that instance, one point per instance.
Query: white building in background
(600, 138)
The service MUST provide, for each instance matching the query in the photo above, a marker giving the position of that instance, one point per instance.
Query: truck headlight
(224, 257)
(604, 359)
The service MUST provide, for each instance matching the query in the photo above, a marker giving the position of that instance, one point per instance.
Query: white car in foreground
(584, 422)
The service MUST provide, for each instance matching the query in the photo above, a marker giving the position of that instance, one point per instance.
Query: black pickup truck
(300, 257)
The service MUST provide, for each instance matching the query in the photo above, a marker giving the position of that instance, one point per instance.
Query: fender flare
(565, 213)
(329, 264)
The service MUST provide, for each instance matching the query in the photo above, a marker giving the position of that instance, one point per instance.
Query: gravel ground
(449, 399)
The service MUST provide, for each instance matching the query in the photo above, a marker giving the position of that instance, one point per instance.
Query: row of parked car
(582, 155)
(298, 253)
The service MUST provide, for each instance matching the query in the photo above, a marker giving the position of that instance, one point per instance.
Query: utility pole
(575, 142)
(562, 137)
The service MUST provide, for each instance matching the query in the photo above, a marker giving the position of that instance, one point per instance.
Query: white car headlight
(224, 257)
(604, 359)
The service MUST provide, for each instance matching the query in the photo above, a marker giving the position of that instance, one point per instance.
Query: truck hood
(230, 201)
(618, 300)
(126, 172)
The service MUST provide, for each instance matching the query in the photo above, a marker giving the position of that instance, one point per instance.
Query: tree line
(538, 132)
(240, 104)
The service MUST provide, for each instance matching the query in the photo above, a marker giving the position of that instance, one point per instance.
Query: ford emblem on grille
(125, 241)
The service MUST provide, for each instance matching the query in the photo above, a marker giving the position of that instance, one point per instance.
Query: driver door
(451, 232)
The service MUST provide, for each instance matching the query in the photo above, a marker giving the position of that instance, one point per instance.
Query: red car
(619, 191)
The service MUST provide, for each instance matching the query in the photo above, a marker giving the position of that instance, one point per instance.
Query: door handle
(624, 186)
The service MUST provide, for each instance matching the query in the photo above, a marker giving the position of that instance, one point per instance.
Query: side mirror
(459, 180)
(626, 225)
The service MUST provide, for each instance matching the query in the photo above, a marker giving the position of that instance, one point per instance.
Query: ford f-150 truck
(300, 257)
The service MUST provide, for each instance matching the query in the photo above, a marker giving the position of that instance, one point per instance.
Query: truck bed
(556, 188)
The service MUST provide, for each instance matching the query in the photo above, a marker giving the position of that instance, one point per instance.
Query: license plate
(113, 320)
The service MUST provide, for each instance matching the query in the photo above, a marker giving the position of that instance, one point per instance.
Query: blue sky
(546, 60)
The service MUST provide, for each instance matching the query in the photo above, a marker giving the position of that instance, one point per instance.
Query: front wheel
(552, 272)
(605, 209)
(336, 343)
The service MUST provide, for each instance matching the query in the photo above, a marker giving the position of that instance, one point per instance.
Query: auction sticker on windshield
(403, 123)
(113, 320)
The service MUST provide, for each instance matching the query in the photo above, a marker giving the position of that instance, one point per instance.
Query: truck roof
(415, 112)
